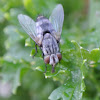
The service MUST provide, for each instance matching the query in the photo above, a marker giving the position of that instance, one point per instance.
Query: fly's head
(53, 59)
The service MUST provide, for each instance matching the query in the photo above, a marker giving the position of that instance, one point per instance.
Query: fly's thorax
(49, 45)
(47, 36)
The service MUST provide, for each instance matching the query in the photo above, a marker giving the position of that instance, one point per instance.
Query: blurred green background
(21, 76)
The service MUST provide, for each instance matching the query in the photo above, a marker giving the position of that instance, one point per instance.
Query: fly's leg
(35, 50)
(45, 68)
(45, 63)
(53, 69)
(58, 45)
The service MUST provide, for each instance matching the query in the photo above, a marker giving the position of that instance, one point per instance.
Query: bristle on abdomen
(40, 17)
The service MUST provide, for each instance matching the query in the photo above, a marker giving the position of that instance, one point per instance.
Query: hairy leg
(53, 69)
(45, 63)
(35, 50)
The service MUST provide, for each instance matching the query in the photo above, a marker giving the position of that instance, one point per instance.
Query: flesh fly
(46, 33)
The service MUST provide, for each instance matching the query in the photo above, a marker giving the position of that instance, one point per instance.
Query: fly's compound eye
(59, 56)
(47, 59)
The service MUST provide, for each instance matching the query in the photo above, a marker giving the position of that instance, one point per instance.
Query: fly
(46, 33)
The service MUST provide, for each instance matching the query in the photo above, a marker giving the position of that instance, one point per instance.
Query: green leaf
(27, 42)
(94, 8)
(95, 54)
(29, 6)
(68, 91)
(12, 72)
(13, 36)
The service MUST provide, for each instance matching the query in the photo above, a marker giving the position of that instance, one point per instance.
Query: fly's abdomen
(43, 25)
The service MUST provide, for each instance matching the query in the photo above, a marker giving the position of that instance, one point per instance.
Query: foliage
(76, 77)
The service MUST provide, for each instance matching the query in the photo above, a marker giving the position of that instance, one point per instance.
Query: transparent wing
(28, 25)
(57, 18)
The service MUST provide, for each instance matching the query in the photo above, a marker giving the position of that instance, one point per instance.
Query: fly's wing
(56, 19)
(29, 26)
